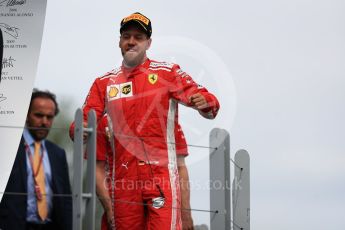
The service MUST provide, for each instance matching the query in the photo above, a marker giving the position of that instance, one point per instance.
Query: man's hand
(85, 134)
(198, 101)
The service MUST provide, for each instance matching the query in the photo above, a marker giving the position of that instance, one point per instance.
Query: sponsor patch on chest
(117, 91)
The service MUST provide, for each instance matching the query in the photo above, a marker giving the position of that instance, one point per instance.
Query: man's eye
(39, 115)
(139, 37)
(49, 117)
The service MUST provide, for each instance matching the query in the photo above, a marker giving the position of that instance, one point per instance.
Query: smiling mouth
(39, 129)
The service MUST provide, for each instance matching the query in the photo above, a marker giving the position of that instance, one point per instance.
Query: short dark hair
(36, 93)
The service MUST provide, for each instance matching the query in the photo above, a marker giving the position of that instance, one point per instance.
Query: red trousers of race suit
(133, 201)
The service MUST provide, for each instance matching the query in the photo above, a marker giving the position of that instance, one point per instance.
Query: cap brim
(134, 22)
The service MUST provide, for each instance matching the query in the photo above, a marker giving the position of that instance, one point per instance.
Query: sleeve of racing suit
(94, 100)
(184, 87)
(102, 141)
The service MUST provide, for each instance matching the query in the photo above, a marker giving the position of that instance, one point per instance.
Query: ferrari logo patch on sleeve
(152, 78)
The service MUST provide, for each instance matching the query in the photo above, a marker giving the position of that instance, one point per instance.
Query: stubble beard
(132, 59)
(39, 134)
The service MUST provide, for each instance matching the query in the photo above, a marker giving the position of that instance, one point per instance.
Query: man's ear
(27, 115)
(149, 43)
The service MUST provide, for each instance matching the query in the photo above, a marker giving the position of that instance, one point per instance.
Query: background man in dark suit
(39, 172)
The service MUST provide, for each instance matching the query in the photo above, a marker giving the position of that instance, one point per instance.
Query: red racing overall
(142, 104)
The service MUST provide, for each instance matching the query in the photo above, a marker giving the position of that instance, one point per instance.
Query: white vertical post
(90, 190)
(78, 170)
(220, 179)
(91, 172)
(241, 191)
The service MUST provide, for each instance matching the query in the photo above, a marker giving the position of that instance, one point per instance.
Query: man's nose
(45, 120)
(131, 40)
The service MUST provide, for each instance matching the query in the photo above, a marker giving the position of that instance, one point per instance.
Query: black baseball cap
(138, 19)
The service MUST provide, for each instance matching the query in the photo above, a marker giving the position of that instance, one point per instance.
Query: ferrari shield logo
(153, 78)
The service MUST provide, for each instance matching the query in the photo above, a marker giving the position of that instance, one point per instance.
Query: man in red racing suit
(141, 98)
(145, 127)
